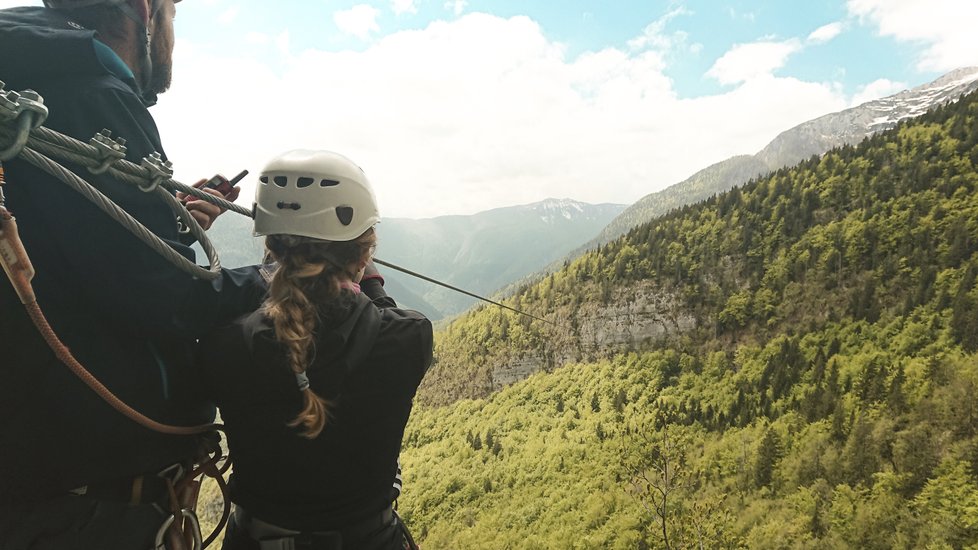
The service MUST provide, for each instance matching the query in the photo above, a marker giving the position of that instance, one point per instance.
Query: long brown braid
(303, 292)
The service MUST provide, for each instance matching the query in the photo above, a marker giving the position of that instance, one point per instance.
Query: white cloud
(4, 4)
(946, 28)
(654, 35)
(825, 33)
(877, 89)
(746, 16)
(444, 125)
(745, 62)
(403, 6)
(228, 16)
(360, 20)
(282, 43)
(254, 37)
(456, 6)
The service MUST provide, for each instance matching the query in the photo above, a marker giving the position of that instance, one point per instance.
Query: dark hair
(303, 291)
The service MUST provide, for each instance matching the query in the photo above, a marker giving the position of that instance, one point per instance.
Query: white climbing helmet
(317, 194)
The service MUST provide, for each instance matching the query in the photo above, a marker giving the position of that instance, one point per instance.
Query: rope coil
(21, 130)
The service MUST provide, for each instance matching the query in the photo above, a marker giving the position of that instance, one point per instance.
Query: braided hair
(304, 291)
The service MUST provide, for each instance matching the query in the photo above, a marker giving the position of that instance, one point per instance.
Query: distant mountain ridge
(815, 137)
(485, 251)
(480, 252)
(850, 126)
(788, 240)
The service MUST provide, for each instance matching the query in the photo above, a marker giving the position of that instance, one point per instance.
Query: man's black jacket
(129, 316)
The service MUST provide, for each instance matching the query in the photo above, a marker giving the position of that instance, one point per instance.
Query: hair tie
(302, 380)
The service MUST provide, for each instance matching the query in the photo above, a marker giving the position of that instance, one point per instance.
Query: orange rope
(18, 268)
(64, 354)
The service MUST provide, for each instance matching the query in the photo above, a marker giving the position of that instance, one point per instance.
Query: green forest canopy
(825, 397)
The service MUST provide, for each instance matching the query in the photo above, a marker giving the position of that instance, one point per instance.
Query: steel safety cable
(456, 289)
(128, 222)
(67, 148)
(61, 147)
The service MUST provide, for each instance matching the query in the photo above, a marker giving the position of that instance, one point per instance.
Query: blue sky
(701, 31)
(459, 106)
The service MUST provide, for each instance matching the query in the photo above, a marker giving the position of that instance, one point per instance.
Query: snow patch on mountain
(852, 125)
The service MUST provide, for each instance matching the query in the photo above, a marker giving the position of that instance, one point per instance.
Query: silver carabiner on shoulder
(28, 110)
(108, 150)
(158, 169)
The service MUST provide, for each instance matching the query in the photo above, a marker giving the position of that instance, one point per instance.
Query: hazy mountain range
(491, 250)
(479, 253)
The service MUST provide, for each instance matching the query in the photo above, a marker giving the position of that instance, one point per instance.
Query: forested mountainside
(791, 364)
(861, 231)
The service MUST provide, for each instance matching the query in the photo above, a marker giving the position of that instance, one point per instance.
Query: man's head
(161, 46)
(140, 31)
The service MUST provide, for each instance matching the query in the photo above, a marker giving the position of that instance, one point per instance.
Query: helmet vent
(344, 214)
(263, 179)
(282, 205)
(281, 181)
(303, 182)
(328, 183)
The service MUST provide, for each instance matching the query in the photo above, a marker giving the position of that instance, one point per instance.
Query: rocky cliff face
(638, 316)
(634, 317)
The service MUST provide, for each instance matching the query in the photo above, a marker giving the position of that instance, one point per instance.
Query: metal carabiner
(28, 109)
(25, 122)
(159, 171)
(109, 150)
(185, 514)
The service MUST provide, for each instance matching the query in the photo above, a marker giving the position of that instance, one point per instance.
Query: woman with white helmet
(315, 388)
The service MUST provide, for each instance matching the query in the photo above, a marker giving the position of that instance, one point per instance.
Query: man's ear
(143, 9)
